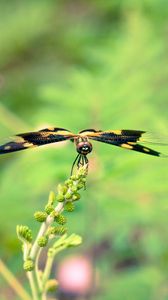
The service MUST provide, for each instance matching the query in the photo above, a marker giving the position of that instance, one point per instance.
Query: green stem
(38, 283)
(47, 270)
(43, 229)
(37, 271)
(34, 288)
(35, 246)
(13, 282)
(35, 253)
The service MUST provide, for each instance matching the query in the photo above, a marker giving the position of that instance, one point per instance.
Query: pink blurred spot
(75, 275)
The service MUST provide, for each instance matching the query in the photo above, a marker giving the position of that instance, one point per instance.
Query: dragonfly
(127, 139)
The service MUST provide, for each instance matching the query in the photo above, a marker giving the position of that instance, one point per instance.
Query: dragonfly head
(83, 147)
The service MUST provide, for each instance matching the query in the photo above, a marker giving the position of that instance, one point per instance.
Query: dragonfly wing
(154, 138)
(34, 139)
(128, 139)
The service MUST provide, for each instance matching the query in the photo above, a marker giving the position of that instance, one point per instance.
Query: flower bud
(74, 188)
(62, 189)
(60, 219)
(60, 197)
(76, 197)
(80, 186)
(28, 265)
(51, 285)
(24, 233)
(68, 195)
(51, 198)
(69, 206)
(57, 230)
(68, 182)
(74, 177)
(40, 216)
(42, 241)
(49, 208)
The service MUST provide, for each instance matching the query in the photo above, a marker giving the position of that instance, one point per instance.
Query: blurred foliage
(89, 64)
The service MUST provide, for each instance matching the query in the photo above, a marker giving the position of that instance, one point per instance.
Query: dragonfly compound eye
(84, 148)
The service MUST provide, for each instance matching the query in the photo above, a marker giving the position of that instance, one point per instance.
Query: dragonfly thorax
(84, 147)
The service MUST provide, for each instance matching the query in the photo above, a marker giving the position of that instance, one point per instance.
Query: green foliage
(89, 64)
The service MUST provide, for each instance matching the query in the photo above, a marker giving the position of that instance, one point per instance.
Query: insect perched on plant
(128, 139)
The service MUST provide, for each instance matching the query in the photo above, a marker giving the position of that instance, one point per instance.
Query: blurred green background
(78, 65)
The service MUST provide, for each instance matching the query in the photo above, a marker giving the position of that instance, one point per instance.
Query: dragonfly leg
(80, 160)
(77, 158)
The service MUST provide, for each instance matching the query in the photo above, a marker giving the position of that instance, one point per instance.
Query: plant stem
(13, 282)
(37, 271)
(38, 279)
(35, 252)
(34, 288)
(43, 229)
(49, 264)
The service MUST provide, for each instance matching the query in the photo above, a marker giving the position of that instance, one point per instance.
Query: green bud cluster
(68, 195)
(57, 230)
(69, 206)
(49, 208)
(62, 189)
(42, 241)
(60, 219)
(24, 233)
(40, 216)
(28, 265)
(60, 197)
(51, 198)
(51, 285)
(76, 197)
(68, 192)
(54, 214)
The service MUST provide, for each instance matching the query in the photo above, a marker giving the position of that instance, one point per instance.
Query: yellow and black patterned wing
(34, 139)
(128, 139)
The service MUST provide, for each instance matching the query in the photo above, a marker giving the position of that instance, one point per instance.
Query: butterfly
(128, 139)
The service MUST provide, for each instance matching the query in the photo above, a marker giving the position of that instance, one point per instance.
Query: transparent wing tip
(154, 138)
(163, 155)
